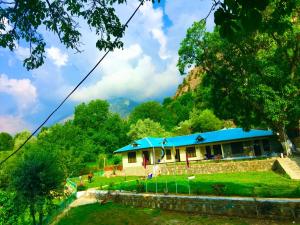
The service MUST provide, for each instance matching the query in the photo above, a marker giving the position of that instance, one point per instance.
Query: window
(237, 148)
(266, 145)
(131, 157)
(217, 150)
(191, 152)
(208, 150)
(168, 154)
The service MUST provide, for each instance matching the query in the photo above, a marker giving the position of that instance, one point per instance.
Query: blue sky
(144, 70)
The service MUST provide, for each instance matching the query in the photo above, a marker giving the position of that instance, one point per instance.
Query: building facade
(139, 157)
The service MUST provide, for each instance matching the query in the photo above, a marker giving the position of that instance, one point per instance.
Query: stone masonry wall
(220, 167)
(226, 206)
(203, 167)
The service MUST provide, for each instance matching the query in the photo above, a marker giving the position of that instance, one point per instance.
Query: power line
(74, 89)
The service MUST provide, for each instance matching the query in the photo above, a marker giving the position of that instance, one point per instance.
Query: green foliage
(67, 142)
(117, 159)
(27, 18)
(35, 179)
(203, 121)
(146, 128)
(107, 131)
(183, 128)
(199, 121)
(91, 115)
(94, 131)
(254, 80)
(10, 211)
(20, 138)
(101, 161)
(238, 18)
(6, 141)
(179, 109)
(190, 47)
(151, 110)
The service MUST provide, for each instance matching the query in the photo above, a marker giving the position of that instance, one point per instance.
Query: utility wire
(66, 98)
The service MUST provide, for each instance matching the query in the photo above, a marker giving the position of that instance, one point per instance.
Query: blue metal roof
(196, 139)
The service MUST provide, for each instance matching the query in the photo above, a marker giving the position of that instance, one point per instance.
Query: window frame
(131, 159)
(168, 154)
(191, 151)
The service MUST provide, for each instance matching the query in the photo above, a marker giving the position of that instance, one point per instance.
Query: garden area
(114, 214)
(254, 184)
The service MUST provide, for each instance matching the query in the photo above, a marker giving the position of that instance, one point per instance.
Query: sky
(145, 69)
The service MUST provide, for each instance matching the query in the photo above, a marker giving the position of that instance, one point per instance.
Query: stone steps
(291, 167)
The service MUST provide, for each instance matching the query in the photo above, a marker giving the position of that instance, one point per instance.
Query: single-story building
(221, 144)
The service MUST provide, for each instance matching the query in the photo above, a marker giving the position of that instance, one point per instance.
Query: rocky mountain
(190, 82)
(123, 106)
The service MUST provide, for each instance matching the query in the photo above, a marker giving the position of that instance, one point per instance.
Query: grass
(115, 214)
(257, 184)
(102, 182)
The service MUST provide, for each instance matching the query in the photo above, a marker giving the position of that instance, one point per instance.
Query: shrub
(219, 189)
(140, 186)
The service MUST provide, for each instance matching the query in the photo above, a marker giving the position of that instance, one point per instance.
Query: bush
(81, 187)
(219, 189)
(140, 186)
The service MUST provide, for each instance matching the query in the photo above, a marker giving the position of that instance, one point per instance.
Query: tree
(239, 18)
(91, 115)
(6, 142)
(254, 80)
(22, 21)
(146, 128)
(183, 128)
(154, 111)
(10, 211)
(20, 138)
(106, 131)
(203, 121)
(68, 142)
(36, 178)
(179, 109)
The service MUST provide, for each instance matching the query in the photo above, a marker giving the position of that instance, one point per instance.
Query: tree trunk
(32, 213)
(41, 216)
(283, 138)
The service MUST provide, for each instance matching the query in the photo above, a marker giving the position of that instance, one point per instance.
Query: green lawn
(115, 214)
(102, 182)
(259, 184)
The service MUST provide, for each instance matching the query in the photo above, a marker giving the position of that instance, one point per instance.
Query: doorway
(146, 157)
(177, 155)
(257, 149)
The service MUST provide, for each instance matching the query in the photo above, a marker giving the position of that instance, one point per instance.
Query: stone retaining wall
(226, 206)
(220, 167)
(203, 167)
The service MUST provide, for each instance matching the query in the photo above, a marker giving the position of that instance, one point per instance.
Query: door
(177, 155)
(146, 157)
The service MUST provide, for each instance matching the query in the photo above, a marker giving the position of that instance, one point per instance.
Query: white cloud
(58, 58)
(153, 23)
(23, 91)
(12, 124)
(138, 81)
(182, 15)
(22, 53)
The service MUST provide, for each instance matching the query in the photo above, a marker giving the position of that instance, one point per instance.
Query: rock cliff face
(190, 82)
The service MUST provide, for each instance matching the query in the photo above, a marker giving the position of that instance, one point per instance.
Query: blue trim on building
(196, 139)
